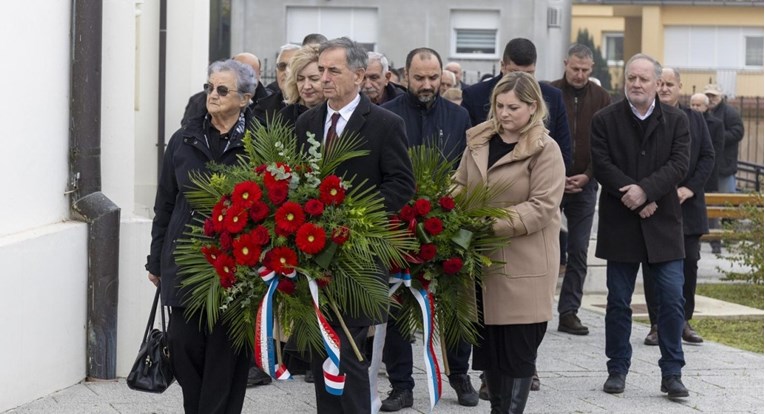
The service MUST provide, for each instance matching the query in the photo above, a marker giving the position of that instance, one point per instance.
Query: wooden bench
(727, 206)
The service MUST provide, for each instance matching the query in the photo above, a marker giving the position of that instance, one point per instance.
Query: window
(613, 48)
(554, 16)
(475, 34)
(357, 23)
(753, 51)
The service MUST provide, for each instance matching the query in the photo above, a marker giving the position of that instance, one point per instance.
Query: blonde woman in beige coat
(513, 151)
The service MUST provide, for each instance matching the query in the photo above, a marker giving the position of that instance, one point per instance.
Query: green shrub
(744, 243)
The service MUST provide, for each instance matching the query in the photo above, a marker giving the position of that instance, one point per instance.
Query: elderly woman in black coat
(210, 371)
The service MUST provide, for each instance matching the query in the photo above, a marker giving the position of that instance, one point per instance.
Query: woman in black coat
(211, 372)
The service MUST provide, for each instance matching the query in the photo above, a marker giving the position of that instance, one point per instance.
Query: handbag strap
(150, 324)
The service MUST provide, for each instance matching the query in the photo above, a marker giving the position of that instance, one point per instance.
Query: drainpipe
(87, 202)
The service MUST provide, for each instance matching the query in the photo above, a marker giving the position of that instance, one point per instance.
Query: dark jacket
(291, 112)
(443, 125)
(196, 108)
(391, 92)
(734, 133)
(581, 105)
(387, 167)
(476, 97)
(656, 159)
(187, 151)
(267, 108)
(700, 165)
(717, 133)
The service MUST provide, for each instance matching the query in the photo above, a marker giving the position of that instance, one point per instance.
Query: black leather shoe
(673, 386)
(535, 384)
(483, 392)
(570, 323)
(466, 395)
(257, 377)
(691, 336)
(615, 383)
(652, 338)
(397, 399)
(308, 376)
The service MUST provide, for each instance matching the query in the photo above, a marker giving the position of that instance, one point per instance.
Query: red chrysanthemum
(226, 269)
(434, 226)
(211, 253)
(259, 211)
(208, 228)
(278, 193)
(246, 250)
(330, 191)
(452, 265)
(236, 218)
(225, 240)
(260, 235)
(218, 215)
(314, 207)
(286, 286)
(422, 207)
(246, 193)
(341, 234)
(406, 213)
(282, 259)
(446, 203)
(427, 251)
(289, 217)
(310, 238)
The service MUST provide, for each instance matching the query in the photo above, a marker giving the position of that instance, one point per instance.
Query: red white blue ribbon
(334, 382)
(265, 354)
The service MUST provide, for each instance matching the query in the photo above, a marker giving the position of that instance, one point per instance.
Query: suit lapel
(359, 116)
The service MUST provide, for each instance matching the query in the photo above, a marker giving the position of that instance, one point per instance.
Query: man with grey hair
(456, 69)
(266, 109)
(386, 169)
(377, 85)
(448, 81)
(640, 151)
(582, 99)
(734, 133)
(700, 103)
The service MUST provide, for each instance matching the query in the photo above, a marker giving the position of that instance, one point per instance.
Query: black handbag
(152, 370)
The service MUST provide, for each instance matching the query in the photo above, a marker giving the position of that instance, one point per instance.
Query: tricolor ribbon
(334, 382)
(427, 308)
(265, 355)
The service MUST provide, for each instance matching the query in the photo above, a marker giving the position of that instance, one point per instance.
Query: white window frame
(477, 20)
(746, 47)
(604, 47)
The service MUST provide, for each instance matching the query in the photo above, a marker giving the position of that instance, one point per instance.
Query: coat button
(642, 152)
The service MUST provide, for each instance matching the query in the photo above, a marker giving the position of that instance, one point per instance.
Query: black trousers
(211, 373)
(356, 397)
(690, 274)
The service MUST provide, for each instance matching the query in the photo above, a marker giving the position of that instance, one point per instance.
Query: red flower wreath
(427, 251)
(246, 193)
(310, 238)
(422, 207)
(314, 207)
(225, 266)
(330, 191)
(434, 226)
(446, 203)
(236, 218)
(289, 217)
(246, 250)
(452, 265)
(259, 211)
(281, 260)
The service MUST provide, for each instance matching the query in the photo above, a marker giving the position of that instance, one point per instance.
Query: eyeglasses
(281, 66)
(221, 89)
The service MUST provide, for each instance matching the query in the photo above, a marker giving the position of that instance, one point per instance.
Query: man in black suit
(521, 55)
(387, 167)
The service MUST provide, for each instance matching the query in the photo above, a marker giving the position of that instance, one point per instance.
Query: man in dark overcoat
(387, 167)
(640, 150)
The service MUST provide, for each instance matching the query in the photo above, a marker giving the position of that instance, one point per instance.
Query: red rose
(341, 234)
(310, 238)
(282, 259)
(446, 203)
(219, 215)
(259, 211)
(246, 250)
(406, 213)
(209, 228)
(211, 253)
(427, 251)
(330, 191)
(422, 207)
(226, 268)
(260, 235)
(452, 265)
(314, 207)
(278, 193)
(225, 240)
(289, 217)
(246, 193)
(434, 226)
(261, 168)
(286, 286)
(236, 218)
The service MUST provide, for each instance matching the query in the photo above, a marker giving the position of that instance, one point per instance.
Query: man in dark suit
(521, 55)
(387, 168)
(640, 150)
(690, 192)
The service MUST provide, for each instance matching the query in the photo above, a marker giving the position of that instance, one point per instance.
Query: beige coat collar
(478, 137)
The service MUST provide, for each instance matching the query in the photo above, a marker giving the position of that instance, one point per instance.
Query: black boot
(519, 394)
(507, 395)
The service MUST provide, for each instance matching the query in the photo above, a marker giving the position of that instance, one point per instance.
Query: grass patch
(746, 334)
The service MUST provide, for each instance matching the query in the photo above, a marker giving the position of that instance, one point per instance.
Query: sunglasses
(221, 89)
